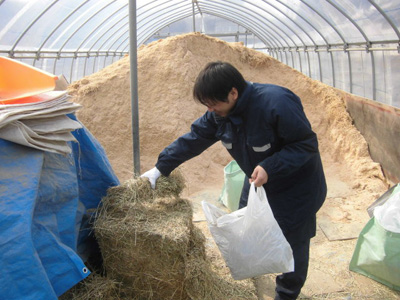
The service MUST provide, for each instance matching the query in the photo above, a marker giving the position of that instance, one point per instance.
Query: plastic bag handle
(259, 199)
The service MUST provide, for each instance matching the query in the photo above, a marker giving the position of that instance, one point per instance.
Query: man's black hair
(215, 81)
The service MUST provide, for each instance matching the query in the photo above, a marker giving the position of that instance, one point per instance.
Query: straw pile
(151, 247)
(94, 287)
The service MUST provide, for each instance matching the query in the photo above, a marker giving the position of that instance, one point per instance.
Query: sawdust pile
(166, 73)
(152, 249)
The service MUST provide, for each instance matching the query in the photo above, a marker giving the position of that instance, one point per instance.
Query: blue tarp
(45, 204)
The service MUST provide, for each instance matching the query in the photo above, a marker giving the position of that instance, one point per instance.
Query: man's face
(222, 109)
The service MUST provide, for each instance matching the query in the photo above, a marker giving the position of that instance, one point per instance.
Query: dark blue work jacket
(267, 127)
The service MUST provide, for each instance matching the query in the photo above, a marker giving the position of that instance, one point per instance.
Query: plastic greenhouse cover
(349, 44)
(44, 213)
(103, 24)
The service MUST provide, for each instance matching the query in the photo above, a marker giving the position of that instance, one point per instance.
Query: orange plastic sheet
(19, 82)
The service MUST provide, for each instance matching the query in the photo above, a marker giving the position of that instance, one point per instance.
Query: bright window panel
(362, 74)
(326, 67)
(342, 73)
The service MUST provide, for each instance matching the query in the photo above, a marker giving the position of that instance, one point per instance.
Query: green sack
(377, 255)
(233, 184)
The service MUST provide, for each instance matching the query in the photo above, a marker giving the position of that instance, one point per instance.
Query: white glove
(152, 175)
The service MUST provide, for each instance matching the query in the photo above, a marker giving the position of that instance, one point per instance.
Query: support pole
(194, 17)
(134, 86)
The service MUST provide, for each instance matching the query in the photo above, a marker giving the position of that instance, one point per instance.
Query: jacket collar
(241, 105)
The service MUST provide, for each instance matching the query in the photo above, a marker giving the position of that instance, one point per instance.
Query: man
(264, 128)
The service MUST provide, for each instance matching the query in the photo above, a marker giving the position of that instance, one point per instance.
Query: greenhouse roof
(352, 45)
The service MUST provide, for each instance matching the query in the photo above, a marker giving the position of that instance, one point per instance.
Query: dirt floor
(339, 223)
(167, 70)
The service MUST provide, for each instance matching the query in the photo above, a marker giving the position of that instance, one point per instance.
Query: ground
(340, 221)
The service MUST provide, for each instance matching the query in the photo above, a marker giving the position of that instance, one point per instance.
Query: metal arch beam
(169, 22)
(123, 18)
(222, 16)
(271, 42)
(142, 6)
(147, 21)
(31, 24)
(150, 31)
(263, 39)
(350, 19)
(122, 26)
(198, 7)
(110, 28)
(227, 34)
(302, 29)
(305, 20)
(311, 25)
(58, 26)
(272, 39)
(162, 25)
(277, 33)
(244, 24)
(337, 32)
(146, 11)
(185, 12)
(368, 45)
(378, 8)
(173, 8)
(177, 19)
(389, 20)
(233, 6)
(284, 23)
(87, 20)
(182, 17)
(326, 20)
(267, 42)
(117, 39)
(287, 26)
(101, 24)
(341, 37)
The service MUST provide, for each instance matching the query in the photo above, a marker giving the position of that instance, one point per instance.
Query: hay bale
(150, 245)
(94, 286)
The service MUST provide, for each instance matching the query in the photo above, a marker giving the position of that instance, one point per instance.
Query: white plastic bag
(250, 240)
(388, 214)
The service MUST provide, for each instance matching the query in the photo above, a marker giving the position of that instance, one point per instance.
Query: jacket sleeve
(189, 145)
(298, 143)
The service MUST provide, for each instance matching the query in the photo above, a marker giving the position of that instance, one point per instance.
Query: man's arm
(189, 145)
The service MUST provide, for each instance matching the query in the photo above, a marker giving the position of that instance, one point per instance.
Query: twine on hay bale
(150, 245)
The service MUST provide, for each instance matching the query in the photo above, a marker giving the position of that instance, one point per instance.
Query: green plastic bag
(233, 184)
(377, 254)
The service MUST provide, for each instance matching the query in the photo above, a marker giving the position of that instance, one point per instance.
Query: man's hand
(259, 176)
(152, 175)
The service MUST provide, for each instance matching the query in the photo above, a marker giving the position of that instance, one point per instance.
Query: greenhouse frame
(350, 45)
